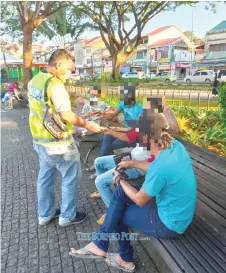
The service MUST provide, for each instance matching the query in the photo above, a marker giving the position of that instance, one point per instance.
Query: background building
(215, 49)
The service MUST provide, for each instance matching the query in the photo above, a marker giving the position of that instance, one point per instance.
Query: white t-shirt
(60, 98)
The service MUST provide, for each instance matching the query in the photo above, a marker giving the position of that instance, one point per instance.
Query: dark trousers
(110, 143)
(123, 213)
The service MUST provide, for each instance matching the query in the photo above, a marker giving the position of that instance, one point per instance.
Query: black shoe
(80, 217)
(43, 223)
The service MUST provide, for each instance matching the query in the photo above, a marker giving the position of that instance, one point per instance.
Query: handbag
(52, 121)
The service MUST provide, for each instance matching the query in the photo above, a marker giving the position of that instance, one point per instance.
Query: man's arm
(109, 116)
(75, 120)
(139, 197)
(138, 164)
(119, 135)
(61, 101)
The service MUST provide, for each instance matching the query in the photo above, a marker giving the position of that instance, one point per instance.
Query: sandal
(87, 254)
(114, 264)
(94, 195)
(101, 220)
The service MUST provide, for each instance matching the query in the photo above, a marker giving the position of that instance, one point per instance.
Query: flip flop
(118, 266)
(87, 254)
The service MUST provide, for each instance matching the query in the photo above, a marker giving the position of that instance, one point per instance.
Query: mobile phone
(118, 158)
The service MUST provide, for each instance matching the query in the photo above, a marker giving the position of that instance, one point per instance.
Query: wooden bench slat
(190, 258)
(211, 165)
(212, 174)
(211, 218)
(214, 236)
(218, 199)
(204, 153)
(202, 249)
(178, 256)
(198, 253)
(211, 180)
(213, 206)
(210, 241)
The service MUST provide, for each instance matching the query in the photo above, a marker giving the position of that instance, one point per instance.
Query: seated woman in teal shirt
(163, 207)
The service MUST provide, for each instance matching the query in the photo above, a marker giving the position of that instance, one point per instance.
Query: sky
(203, 20)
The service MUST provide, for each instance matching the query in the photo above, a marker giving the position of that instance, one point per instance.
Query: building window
(219, 47)
(145, 40)
(163, 54)
(141, 54)
(97, 60)
(88, 61)
(88, 50)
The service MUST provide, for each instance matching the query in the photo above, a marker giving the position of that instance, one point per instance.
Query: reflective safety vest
(37, 110)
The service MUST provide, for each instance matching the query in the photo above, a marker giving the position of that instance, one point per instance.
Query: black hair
(60, 54)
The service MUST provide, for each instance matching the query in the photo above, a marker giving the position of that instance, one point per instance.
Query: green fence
(192, 96)
(16, 73)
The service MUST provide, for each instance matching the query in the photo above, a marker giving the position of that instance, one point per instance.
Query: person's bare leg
(120, 261)
(10, 105)
(91, 247)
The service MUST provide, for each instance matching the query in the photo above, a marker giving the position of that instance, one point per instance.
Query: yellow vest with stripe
(37, 110)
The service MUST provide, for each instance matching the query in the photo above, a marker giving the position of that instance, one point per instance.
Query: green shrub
(222, 100)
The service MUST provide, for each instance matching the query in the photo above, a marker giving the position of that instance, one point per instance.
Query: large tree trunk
(120, 59)
(6, 65)
(27, 54)
(116, 65)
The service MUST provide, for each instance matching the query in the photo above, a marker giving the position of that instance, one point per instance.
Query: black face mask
(129, 102)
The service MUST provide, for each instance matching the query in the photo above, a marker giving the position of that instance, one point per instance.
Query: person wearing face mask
(162, 207)
(56, 153)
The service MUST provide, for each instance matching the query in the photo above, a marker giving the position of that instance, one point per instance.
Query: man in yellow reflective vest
(56, 154)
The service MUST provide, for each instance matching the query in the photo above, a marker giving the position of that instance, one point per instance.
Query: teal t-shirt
(130, 112)
(171, 179)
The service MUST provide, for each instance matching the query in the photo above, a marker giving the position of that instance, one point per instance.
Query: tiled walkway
(26, 247)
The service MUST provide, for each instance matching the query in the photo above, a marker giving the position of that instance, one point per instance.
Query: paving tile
(27, 247)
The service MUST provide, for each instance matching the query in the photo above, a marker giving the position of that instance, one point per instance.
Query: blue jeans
(105, 166)
(110, 143)
(124, 213)
(66, 160)
(7, 97)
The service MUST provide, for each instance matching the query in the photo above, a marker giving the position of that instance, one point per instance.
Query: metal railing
(198, 95)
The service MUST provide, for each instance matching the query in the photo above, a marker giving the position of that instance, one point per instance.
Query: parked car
(162, 74)
(203, 76)
(82, 76)
(131, 75)
(150, 75)
(167, 77)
